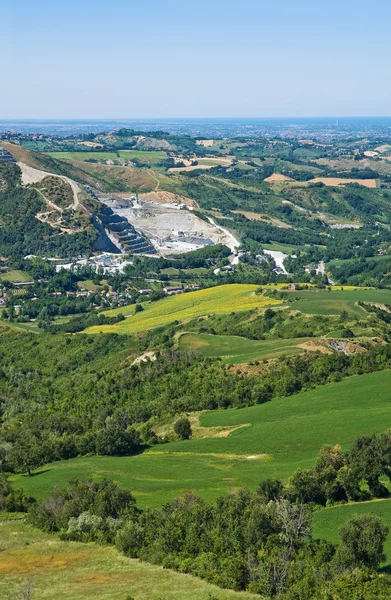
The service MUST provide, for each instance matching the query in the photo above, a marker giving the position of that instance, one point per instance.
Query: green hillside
(275, 440)
(235, 350)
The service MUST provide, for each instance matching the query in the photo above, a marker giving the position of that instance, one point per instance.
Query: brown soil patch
(277, 177)
(205, 143)
(314, 346)
(200, 432)
(20, 154)
(193, 168)
(185, 161)
(261, 217)
(91, 144)
(333, 181)
(168, 198)
(94, 579)
(383, 148)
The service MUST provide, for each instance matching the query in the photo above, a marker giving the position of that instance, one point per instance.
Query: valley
(198, 329)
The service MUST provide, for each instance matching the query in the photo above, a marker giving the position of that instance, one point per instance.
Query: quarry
(165, 228)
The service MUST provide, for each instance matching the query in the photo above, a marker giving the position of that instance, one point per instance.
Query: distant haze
(168, 58)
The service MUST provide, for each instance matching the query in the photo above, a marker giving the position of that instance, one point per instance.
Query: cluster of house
(108, 262)
(172, 290)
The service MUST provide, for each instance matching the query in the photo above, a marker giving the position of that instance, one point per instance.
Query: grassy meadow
(218, 300)
(245, 445)
(150, 158)
(319, 302)
(236, 350)
(327, 521)
(339, 262)
(15, 276)
(77, 571)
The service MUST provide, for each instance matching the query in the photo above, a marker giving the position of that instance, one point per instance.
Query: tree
(117, 440)
(271, 489)
(182, 428)
(363, 538)
(25, 454)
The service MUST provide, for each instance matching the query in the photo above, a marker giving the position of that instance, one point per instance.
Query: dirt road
(31, 175)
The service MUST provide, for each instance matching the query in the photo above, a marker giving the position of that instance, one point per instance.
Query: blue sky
(172, 58)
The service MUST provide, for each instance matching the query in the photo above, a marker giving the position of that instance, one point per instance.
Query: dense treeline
(365, 272)
(256, 541)
(63, 396)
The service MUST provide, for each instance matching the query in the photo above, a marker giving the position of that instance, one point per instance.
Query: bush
(183, 429)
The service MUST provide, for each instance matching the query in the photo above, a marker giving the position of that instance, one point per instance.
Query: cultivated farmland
(318, 302)
(218, 300)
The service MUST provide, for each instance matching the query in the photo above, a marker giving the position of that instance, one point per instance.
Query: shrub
(182, 428)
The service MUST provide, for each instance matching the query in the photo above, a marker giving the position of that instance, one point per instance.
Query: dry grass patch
(335, 181)
(28, 560)
(205, 143)
(162, 197)
(278, 177)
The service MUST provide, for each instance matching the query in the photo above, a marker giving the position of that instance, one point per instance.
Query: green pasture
(327, 521)
(89, 285)
(15, 276)
(270, 440)
(32, 326)
(150, 158)
(322, 302)
(279, 247)
(345, 261)
(77, 571)
(234, 349)
(100, 156)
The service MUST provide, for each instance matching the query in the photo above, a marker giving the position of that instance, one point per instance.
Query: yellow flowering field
(220, 299)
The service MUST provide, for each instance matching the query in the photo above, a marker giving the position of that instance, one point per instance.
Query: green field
(101, 156)
(77, 571)
(345, 261)
(287, 248)
(327, 521)
(315, 302)
(150, 158)
(275, 440)
(89, 285)
(218, 300)
(234, 349)
(32, 326)
(15, 276)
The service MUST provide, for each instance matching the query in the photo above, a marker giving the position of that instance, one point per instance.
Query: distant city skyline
(169, 59)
